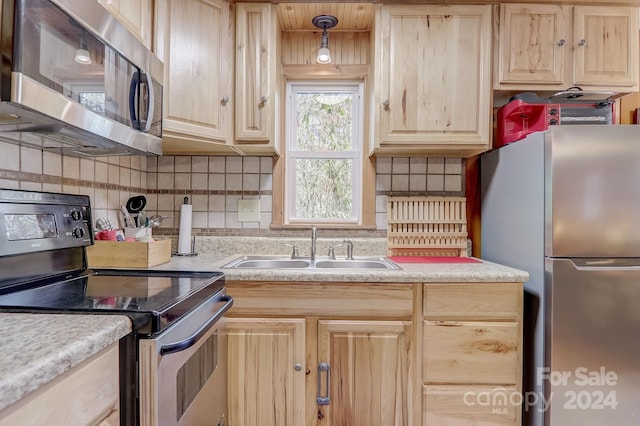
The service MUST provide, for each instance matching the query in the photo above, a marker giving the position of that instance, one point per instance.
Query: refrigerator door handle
(603, 264)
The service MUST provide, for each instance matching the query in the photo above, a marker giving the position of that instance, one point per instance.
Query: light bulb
(83, 56)
(324, 56)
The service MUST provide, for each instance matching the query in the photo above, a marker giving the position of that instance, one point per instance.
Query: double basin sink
(320, 262)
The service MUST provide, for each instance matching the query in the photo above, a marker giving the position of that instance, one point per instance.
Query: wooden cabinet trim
(322, 299)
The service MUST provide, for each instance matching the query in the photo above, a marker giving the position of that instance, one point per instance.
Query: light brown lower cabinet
(472, 354)
(361, 376)
(374, 354)
(88, 394)
(316, 354)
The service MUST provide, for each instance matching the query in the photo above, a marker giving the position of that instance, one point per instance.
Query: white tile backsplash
(165, 164)
(435, 165)
(200, 164)
(30, 160)
(233, 165)
(418, 165)
(251, 165)
(214, 184)
(102, 172)
(51, 164)
(199, 181)
(400, 165)
(182, 164)
(10, 158)
(88, 170)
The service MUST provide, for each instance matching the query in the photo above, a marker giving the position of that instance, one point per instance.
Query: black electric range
(153, 300)
(43, 269)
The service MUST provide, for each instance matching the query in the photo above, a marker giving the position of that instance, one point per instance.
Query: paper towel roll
(184, 237)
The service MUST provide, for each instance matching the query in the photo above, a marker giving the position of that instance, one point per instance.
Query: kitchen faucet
(313, 243)
(348, 243)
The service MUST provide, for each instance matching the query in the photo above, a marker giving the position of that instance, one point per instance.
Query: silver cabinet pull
(582, 42)
(385, 104)
(323, 367)
(224, 100)
(263, 100)
(297, 367)
(562, 42)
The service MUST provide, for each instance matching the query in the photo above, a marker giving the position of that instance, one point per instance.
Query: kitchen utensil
(156, 220)
(127, 219)
(141, 219)
(136, 204)
(103, 224)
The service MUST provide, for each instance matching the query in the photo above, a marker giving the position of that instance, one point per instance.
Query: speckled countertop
(215, 252)
(483, 271)
(37, 348)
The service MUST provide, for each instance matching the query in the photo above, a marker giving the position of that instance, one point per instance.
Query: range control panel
(38, 221)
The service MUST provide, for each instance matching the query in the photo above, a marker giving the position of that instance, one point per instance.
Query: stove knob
(78, 232)
(76, 215)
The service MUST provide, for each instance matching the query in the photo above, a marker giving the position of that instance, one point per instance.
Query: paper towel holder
(193, 238)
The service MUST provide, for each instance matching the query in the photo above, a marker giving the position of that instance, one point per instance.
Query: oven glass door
(55, 50)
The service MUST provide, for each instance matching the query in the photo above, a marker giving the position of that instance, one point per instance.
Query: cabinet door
(369, 372)
(433, 75)
(193, 41)
(533, 44)
(266, 371)
(256, 65)
(136, 15)
(606, 45)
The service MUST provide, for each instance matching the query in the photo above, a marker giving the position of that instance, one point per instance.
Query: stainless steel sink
(285, 262)
(378, 263)
(267, 262)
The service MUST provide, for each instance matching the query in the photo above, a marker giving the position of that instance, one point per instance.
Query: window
(324, 152)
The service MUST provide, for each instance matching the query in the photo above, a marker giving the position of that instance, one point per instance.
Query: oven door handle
(183, 344)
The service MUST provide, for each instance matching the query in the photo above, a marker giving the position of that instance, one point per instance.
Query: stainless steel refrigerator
(564, 205)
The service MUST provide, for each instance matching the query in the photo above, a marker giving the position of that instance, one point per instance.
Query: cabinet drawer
(322, 299)
(477, 301)
(471, 352)
(470, 406)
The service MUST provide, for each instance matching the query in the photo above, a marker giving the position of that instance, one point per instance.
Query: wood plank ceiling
(352, 17)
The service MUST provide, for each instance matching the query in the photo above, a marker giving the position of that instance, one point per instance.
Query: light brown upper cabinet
(135, 15)
(255, 106)
(432, 89)
(194, 39)
(553, 47)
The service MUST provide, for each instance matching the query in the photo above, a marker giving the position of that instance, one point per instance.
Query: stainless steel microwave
(75, 80)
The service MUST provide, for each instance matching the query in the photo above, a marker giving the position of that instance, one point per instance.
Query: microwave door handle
(133, 88)
(186, 343)
(150, 102)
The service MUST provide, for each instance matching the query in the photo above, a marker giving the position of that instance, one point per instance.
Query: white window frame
(355, 154)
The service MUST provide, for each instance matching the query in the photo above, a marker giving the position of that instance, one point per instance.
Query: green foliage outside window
(324, 185)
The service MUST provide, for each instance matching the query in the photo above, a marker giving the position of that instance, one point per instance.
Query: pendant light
(82, 53)
(324, 22)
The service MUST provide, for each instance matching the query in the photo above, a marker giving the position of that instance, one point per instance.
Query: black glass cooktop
(152, 299)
